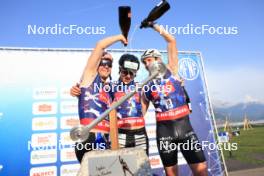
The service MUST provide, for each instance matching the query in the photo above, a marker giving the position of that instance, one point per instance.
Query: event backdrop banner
(37, 112)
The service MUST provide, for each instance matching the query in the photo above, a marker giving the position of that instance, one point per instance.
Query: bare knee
(199, 169)
(171, 171)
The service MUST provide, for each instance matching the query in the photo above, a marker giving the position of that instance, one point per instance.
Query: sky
(233, 61)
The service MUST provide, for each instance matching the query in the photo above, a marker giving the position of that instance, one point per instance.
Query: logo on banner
(43, 141)
(46, 123)
(155, 162)
(40, 108)
(69, 107)
(65, 139)
(43, 171)
(69, 169)
(67, 154)
(153, 147)
(68, 122)
(65, 93)
(188, 69)
(151, 131)
(45, 93)
(43, 156)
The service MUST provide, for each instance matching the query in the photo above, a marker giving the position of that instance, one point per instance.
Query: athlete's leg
(166, 138)
(171, 170)
(194, 155)
(192, 151)
(199, 169)
(133, 138)
(82, 147)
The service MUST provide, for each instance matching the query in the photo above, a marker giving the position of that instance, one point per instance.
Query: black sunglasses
(106, 62)
(126, 72)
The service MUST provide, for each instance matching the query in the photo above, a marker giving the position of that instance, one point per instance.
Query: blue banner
(37, 112)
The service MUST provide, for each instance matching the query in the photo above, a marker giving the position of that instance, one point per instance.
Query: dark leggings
(178, 134)
(133, 138)
(91, 144)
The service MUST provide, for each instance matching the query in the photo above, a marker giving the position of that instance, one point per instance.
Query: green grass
(250, 146)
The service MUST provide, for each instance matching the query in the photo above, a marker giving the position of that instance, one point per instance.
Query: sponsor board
(43, 108)
(69, 169)
(67, 154)
(68, 122)
(65, 93)
(155, 162)
(153, 147)
(44, 123)
(45, 93)
(68, 107)
(151, 131)
(43, 156)
(43, 171)
(43, 140)
(65, 139)
(150, 116)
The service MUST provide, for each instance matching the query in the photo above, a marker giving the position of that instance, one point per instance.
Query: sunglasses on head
(106, 62)
(126, 72)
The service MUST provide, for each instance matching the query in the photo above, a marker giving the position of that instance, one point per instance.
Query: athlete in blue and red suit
(93, 98)
(131, 123)
(172, 112)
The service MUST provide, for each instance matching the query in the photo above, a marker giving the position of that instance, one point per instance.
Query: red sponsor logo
(44, 108)
(47, 173)
(173, 114)
(43, 139)
(72, 122)
(70, 154)
(154, 161)
(131, 122)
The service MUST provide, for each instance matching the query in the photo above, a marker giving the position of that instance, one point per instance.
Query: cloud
(250, 99)
(231, 86)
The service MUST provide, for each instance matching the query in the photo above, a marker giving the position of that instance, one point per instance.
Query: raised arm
(171, 49)
(90, 70)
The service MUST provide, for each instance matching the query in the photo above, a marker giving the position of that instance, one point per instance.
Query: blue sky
(233, 63)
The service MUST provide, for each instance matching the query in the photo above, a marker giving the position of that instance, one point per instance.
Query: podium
(115, 162)
(121, 162)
